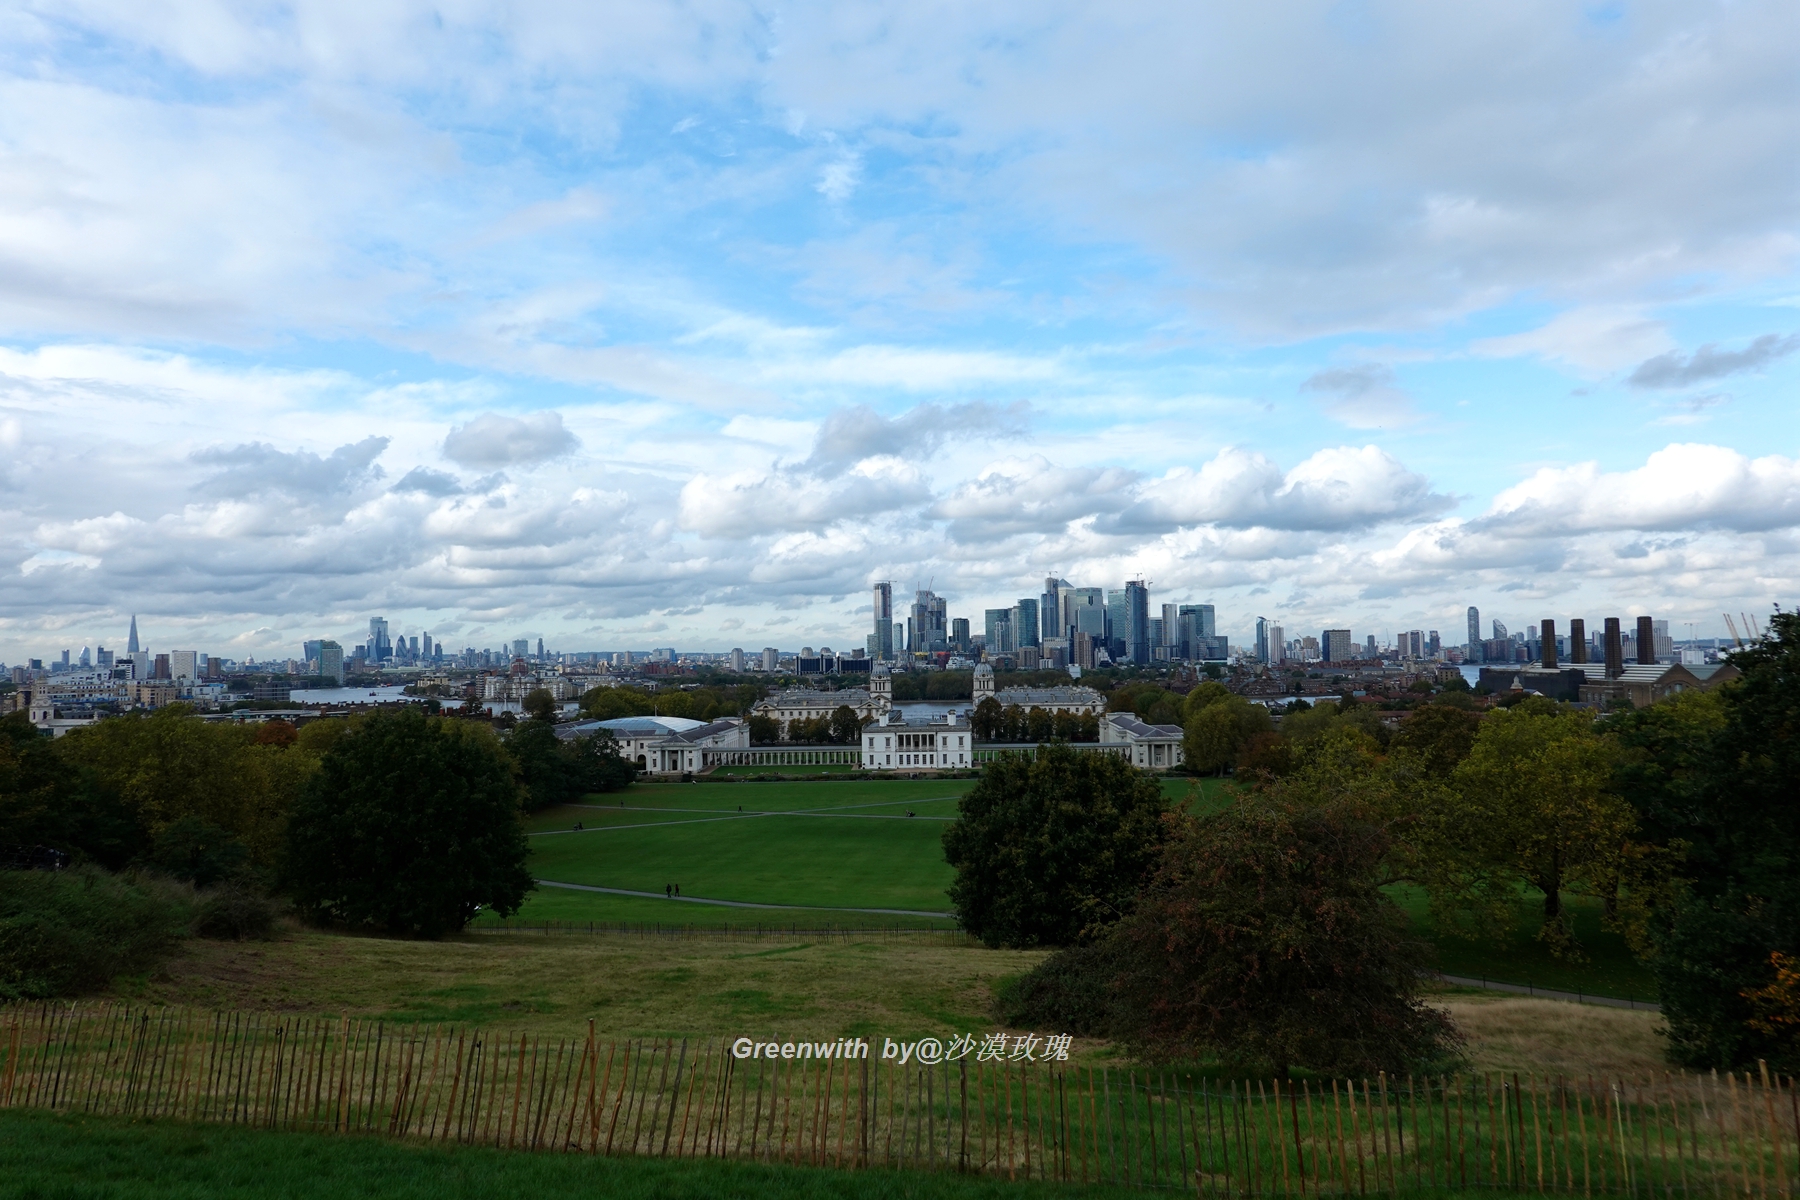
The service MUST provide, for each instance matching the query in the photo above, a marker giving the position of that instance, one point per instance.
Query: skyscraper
(1136, 634)
(1475, 647)
(331, 661)
(1026, 623)
(999, 631)
(1197, 632)
(1051, 607)
(929, 624)
(1086, 612)
(881, 645)
(131, 643)
(1262, 638)
(380, 648)
(1277, 644)
(1334, 645)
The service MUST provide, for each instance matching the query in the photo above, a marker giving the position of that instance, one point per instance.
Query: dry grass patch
(1551, 1036)
(630, 986)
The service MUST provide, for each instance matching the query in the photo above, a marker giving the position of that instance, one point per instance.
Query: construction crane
(1751, 624)
(1731, 625)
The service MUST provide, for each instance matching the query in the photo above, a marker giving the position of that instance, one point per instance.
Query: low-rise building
(667, 745)
(1082, 701)
(809, 704)
(1152, 747)
(939, 743)
(1643, 684)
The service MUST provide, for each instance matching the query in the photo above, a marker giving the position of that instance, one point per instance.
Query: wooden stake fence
(1718, 1136)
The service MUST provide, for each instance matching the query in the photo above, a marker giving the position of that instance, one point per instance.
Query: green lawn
(817, 846)
(116, 1159)
(806, 846)
(1610, 970)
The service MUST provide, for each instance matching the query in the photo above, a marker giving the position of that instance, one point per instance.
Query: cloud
(852, 434)
(1338, 489)
(1363, 397)
(1594, 341)
(1031, 495)
(1684, 486)
(749, 504)
(1695, 409)
(491, 440)
(838, 178)
(429, 482)
(1709, 363)
(257, 468)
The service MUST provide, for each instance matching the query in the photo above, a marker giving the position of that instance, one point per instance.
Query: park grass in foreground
(111, 1159)
(806, 988)
(45, 1155)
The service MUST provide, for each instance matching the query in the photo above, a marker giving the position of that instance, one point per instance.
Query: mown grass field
(816, 850)
(115, 1159)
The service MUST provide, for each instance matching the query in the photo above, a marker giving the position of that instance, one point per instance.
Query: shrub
(1265, 938)
(235, 911)
(68, 932)
(1071, 992)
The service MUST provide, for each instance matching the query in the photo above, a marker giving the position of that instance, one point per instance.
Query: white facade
(1152, 747)
(661, 751)
(896, 744)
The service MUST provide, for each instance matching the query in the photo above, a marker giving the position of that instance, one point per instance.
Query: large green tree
(48, 802)
(168, 766)
(410, 826)
(1532, 804)
(1735, 807)
(1051, 849)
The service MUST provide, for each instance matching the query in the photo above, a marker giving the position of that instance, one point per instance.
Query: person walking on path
(669, 890)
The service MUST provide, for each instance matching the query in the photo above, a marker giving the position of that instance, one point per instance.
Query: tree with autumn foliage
(1264, 938)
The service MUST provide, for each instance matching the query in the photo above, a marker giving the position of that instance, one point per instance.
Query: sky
(634, 325)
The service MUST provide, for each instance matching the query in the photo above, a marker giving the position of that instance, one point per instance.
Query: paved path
(885, 912)
(835, 811)
(1525, 989)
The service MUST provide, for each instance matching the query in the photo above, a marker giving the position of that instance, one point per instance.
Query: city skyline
(687, 329)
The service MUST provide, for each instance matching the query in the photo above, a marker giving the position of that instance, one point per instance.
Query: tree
(170, 765)
(411, 826)
(1218, 731)
(1051, 849)
(596, 763)
(1438, 735)
(611, 703)
(987, 722)
(1265, 937)
(1040, 726)
(1534, 804)
(764, 731)
(846, 726)
(540, 705)
(1210, 741)
(543, 771)
(46, 801)
(1740, 825)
